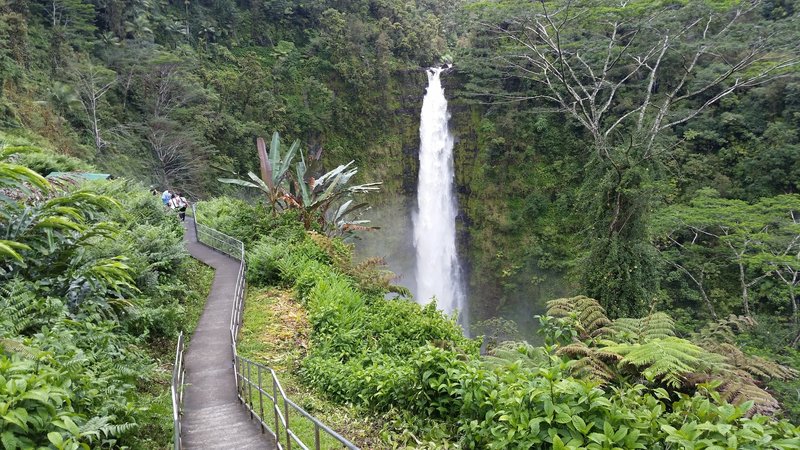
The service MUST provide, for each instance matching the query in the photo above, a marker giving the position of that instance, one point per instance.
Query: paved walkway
(213, 418)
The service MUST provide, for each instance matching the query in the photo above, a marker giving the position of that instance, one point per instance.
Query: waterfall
(438, 273)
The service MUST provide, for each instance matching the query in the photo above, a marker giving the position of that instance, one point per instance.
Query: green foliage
(392, 355)
(744, 243)
(44, 163)
(96, 287)
(648, 349)
(35, 409)
(274, 170)
(247, 222)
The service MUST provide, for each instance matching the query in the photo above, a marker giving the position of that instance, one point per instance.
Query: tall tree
(92, 82)
(755, 240)
(631, 74)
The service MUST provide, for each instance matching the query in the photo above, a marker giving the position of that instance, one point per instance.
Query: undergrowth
(593, 383)
(275, 333)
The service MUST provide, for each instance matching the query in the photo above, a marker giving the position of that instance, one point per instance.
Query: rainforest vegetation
(628, 171)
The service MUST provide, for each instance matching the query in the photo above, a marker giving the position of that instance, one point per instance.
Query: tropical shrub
(595, 383)
(44, 163)
(93, 287)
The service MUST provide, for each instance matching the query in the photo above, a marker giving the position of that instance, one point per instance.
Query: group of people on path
(175, 201)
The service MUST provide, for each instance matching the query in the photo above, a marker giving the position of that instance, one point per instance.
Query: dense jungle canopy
(628, 170)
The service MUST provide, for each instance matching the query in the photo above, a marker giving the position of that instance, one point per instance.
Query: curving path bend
(213, 417)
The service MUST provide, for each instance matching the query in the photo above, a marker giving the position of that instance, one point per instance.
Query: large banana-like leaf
(259, 183)
(304, 187)
(365, 188)
(263, 159)
(13, 175)
(275, 150)
(332, 174)
(287, 160)
(238, 182)
(280, 164)
(102, 202)
(346, 209)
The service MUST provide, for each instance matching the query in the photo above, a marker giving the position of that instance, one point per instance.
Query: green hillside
(642, 154)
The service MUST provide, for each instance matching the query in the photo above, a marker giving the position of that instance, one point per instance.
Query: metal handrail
(245, 384)
(178, 374)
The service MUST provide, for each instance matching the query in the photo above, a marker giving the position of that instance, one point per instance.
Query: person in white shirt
(179, 202)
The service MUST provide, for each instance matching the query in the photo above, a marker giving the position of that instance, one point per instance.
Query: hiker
(179, 202)
(166, 196)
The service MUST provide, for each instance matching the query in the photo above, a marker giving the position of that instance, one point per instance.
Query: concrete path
(213, 418)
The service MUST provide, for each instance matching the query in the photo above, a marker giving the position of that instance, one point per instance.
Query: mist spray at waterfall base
(438, 273)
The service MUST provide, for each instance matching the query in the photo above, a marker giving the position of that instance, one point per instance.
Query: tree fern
(667, 359)
(509, 352)
(594, 363)
(657, 325)
(590, 317)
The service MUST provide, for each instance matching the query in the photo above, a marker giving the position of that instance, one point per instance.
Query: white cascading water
(438, 273)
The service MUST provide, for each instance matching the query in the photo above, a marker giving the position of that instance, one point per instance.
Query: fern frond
(575, 350)
(17, 308)
(593, 369)
(101, 427)
(522, 353)
(668, 359)
(657, 325)
(590, 316)
(725, 330)
(738, 391)
(738, 387)
(13, 346)
(589, 362)
(756, 366)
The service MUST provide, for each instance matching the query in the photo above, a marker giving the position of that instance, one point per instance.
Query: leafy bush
(44, 163)
(91, 275)
(393, 356)
(36, 408)
(262, 259)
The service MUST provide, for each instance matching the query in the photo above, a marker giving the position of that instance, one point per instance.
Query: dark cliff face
(393, 153)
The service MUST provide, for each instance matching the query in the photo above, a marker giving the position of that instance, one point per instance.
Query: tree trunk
(95, 127)
(745, 293)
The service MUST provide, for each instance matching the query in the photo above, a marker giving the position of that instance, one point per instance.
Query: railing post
(237, 374)
(316, 436)
(260, 400)
(249, 389)
(275, 408)
(286, 412)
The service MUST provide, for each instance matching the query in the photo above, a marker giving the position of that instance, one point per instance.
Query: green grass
(275, 334)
